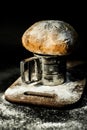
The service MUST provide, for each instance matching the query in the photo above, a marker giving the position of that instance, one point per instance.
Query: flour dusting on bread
(50, 37)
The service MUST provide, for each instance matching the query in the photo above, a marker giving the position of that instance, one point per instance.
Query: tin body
(51, 70)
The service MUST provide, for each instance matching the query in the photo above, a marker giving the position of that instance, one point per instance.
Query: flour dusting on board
(68, 92)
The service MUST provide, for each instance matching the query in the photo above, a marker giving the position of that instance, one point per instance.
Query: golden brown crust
(49, 37)
(42, 49)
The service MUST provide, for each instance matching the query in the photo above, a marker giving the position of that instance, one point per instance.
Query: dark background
(16, 17)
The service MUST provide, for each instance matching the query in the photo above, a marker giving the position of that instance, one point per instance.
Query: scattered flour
(21, 117)
(7, 111)
(71, 125)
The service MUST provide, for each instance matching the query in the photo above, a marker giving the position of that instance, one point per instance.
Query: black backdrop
(16, 18)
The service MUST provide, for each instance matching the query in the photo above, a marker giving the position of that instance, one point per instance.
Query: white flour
(66, 92)
(71, 125)
(32, 118)
(48, 28)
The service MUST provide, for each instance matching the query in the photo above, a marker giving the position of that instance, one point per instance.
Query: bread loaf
(50, 37)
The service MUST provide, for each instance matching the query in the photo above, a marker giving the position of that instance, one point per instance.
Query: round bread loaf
(50, 37)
